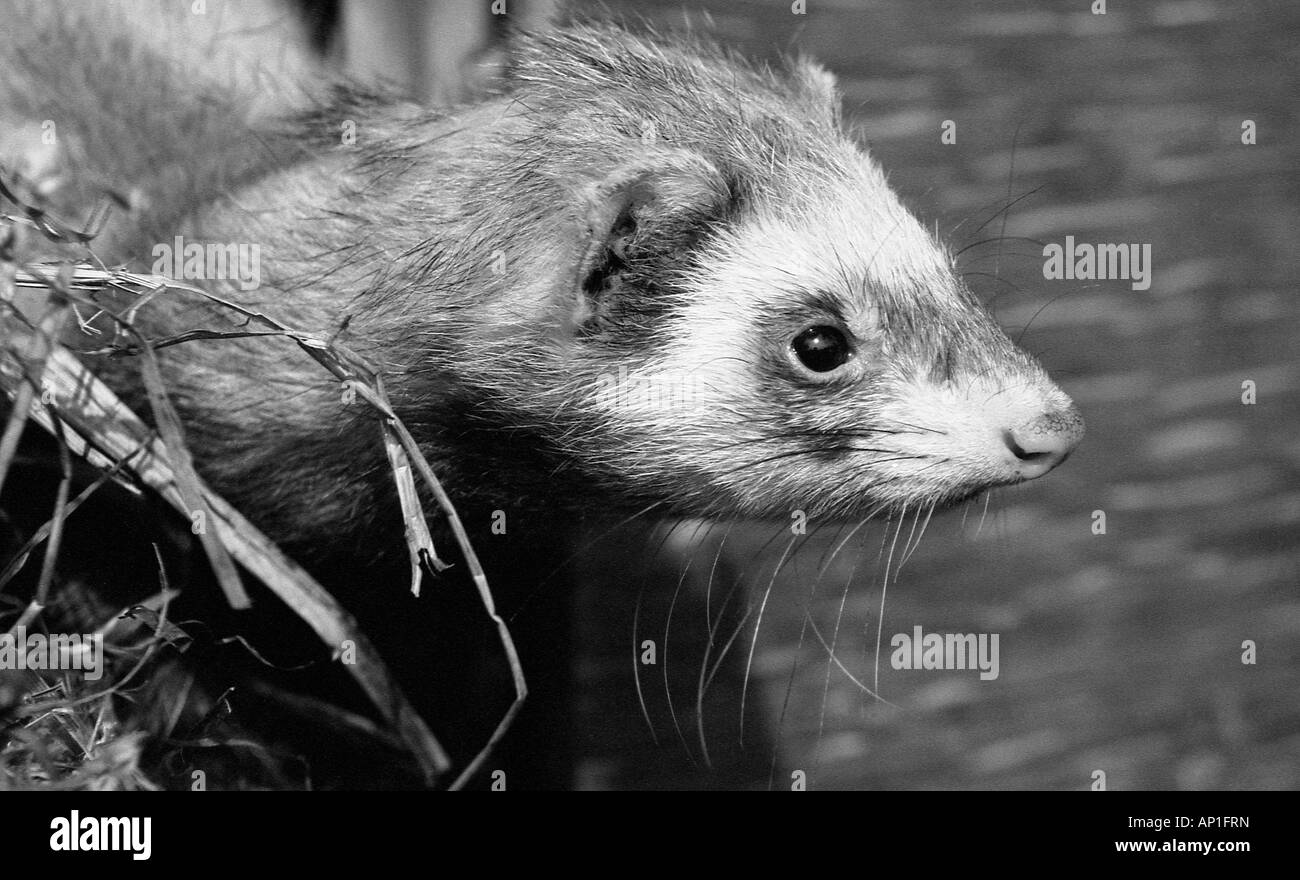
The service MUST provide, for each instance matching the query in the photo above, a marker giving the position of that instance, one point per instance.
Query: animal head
(754, 323)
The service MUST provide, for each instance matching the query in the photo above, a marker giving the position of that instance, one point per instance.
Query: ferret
(643, 274)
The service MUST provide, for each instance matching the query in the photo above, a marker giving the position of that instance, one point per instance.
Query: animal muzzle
(1035, 447)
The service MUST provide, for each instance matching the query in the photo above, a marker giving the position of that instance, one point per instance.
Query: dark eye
(821, 349)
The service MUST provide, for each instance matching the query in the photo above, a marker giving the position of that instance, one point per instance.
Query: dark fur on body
(389, 246)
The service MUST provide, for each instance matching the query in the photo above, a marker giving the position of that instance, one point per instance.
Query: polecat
(646, 273)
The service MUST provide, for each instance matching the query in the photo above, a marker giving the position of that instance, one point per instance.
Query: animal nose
(1042, 443)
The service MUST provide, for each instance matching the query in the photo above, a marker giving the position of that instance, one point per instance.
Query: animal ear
(643, 221)
(820, 88)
